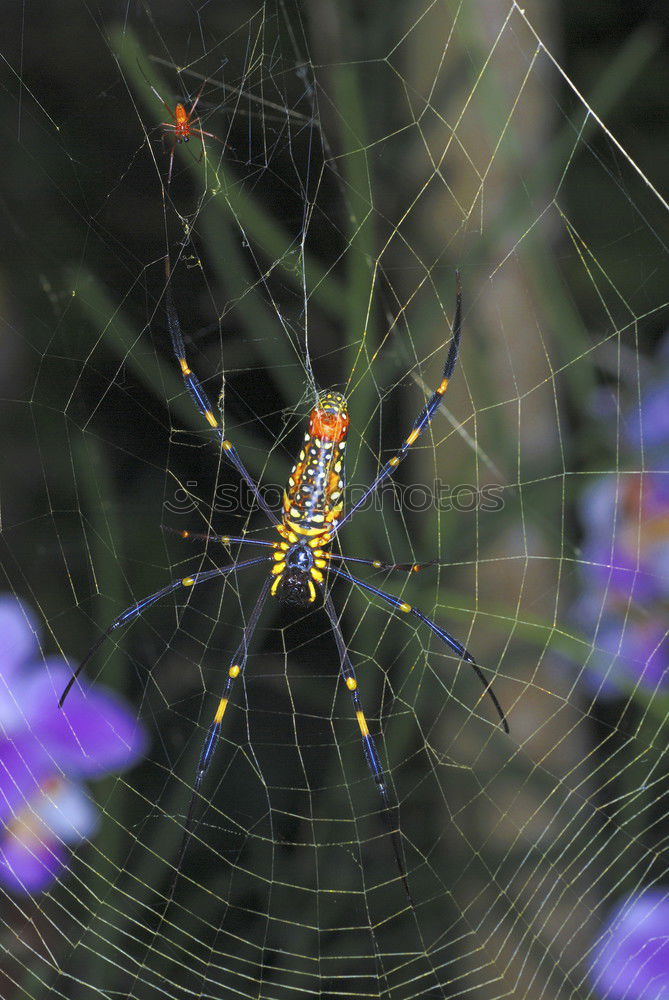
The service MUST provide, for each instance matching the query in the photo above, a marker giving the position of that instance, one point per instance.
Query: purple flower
(650, 426)
(624, 651)
(626, 550)
(632, 958)
(46, 753)
(625, 553)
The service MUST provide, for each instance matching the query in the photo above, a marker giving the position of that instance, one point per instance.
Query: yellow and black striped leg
(201, 536)
(206, 756)
(199, 397)
(369, 748)
(445, 636)
(426, 414)
(377, 564)
(146, 602)
(213, 733)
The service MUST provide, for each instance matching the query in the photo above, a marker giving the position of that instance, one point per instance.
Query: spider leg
(198, 131)
(377, 564)
(369, 748)
(235, 669)
(146, 602)
(199, 397)
(169, 170)
(210, 135)
(173, 146)
(199, 95)
(445, 636)
(164, 103)
(426, 414)
(197, 536)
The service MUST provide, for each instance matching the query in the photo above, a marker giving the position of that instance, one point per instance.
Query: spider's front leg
(426, 414)
(212, 539)
(201, 400)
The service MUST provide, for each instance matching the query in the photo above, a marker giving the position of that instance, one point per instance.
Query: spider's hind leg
(445, 636)
(388, 808)
(378, 564)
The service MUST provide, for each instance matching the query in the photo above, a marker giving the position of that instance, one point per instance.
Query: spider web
(360, 157)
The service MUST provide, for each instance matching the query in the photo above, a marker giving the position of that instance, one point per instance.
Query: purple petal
(656, 493)
(23, 770)
(658, 562)
(93, 734)
(30, 867)
(632, 959)
(644, 651)
(599, 502)
(616, 570)
(19, 637)
(625, 653)
(30, 857)
(650, 425)
(40, 813)
(627, 535)
(67, 812)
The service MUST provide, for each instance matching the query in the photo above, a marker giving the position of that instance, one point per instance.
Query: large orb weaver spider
(311, 517)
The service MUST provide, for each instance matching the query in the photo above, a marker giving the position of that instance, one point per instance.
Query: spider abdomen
(182, 124)
(315, 495)
(313, 501)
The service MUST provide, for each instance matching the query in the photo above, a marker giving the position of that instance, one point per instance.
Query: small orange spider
(182, 126)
